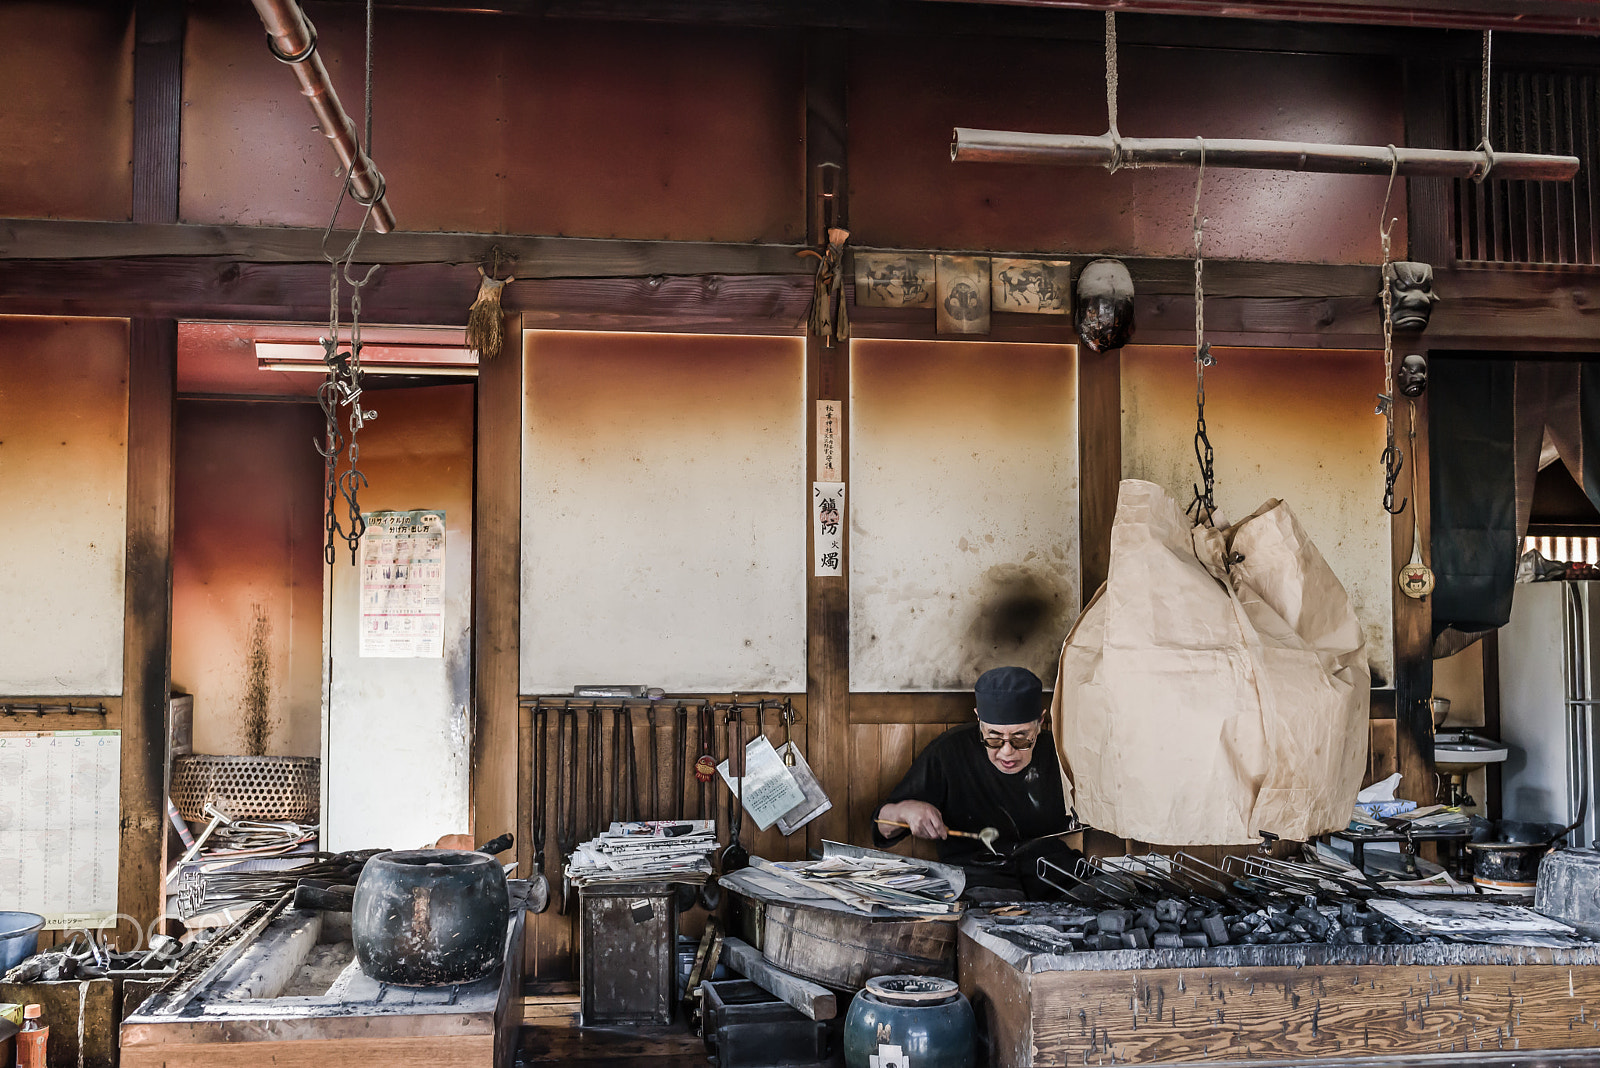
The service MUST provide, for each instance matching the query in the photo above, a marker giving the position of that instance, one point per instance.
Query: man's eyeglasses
(1018, 742)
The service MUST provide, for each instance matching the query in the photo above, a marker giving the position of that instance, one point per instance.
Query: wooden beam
(827, 378)
(941, 707)
(1413, 619)
(147, 620)
(531, 256)
(1099, 462)
(157, 108)
(1263, 26)
(499, 779)
(812, 1001)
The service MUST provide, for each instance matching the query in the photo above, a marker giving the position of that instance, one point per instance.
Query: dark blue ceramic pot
(909, 1020)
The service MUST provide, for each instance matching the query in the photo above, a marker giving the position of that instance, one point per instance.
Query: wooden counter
(1309, 1005)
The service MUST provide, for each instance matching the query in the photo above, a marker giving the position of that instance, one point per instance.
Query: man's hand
(922, 818)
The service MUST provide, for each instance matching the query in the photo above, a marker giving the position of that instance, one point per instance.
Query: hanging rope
(342, 388)
(1204, 505)
(1483, 127)
(1393, 460)
(1111, 93)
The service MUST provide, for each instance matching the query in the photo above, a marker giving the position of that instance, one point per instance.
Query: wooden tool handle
(947, 830)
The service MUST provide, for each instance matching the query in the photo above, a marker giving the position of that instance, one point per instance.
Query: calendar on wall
(59, 814)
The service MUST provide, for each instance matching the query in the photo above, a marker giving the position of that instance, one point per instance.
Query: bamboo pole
(1072, 150)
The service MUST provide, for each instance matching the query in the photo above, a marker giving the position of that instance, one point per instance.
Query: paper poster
(828, 455)
(827, 528)
(962, 293)
(894, 280)
(1038, 287)
(769, 790)
(402, 584)
(60, 809)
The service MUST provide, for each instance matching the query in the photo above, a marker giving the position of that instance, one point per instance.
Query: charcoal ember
(1239, 930)
(1253, 939)
(1298, 931)
(1282, 938)
(1374, 933)
(1215, 928)
(1114, 921)
(1195, 914)
(1138, 938)
(1091, 928)
(1278, 919)
(1147, 920)
(1168, 940)
(1108, 941)
(1169, 910)
(1264, 930)
(1358, 936)
(1167, 928)
(1194, 940)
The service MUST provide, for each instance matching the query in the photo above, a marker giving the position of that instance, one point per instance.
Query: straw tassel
(829, 318)
(486, 328)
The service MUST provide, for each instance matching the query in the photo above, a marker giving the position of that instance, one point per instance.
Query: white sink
(1455, 752)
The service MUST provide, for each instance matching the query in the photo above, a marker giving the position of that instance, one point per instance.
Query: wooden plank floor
(551, 1035)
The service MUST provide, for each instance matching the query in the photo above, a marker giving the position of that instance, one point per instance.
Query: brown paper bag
(1216, 686)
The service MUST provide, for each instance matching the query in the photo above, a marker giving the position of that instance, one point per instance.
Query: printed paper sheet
(402, 584)
(59, 811)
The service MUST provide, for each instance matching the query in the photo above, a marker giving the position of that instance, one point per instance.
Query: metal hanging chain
(1111, 93)
(1393, 459)
(1204, 505)
(344, 382)
(1483, 145)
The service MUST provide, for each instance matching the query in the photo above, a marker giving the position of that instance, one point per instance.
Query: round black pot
(430, 917)
(1507, 865)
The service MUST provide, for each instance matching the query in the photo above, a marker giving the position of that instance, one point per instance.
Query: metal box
(627, 937)
(746, 1027)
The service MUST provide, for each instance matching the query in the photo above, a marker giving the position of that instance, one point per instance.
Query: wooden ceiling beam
(1257, 20)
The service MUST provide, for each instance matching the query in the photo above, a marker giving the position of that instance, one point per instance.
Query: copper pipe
(294, 42)
(1072, 150)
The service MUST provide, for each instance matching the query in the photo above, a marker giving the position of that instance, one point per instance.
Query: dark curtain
(1475, 546)
(1490, 421)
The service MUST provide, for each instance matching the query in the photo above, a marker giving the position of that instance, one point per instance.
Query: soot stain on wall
(1021, 616)
(258, 722)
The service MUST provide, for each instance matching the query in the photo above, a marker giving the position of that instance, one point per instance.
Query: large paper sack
(1199, 703)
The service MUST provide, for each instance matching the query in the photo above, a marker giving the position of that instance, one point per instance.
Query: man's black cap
(1008, 696)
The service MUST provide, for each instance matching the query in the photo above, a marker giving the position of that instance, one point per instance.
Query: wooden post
(1413, 619)
(152, 393)
(497, 779)
(1099, 462)
(827, 378)
(147, 620)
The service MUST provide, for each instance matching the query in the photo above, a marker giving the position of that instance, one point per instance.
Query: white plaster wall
(1297, 425)
(398, 740)
(963, 511)
(664, 512)
(63, 499)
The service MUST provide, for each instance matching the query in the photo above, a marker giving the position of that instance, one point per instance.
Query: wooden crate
(1281, 1005)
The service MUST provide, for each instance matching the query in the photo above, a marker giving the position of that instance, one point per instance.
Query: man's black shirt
(955, 775)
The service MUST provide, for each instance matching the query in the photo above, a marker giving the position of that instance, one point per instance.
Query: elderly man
(999, 772)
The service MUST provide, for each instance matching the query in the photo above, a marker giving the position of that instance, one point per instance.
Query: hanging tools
(736, 856)
(539, 886)
(596, 787)
(617, 810)
(655, 754)
(566, 794)
(680, 738)
(788, 737)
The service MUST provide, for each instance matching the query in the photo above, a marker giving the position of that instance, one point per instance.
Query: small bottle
(32, 1039)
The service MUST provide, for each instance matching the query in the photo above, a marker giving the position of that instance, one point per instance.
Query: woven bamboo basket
(248, 787)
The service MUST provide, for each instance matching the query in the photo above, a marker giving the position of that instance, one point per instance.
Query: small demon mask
(1413, 375)
(1411, 296)
(1104, 315)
